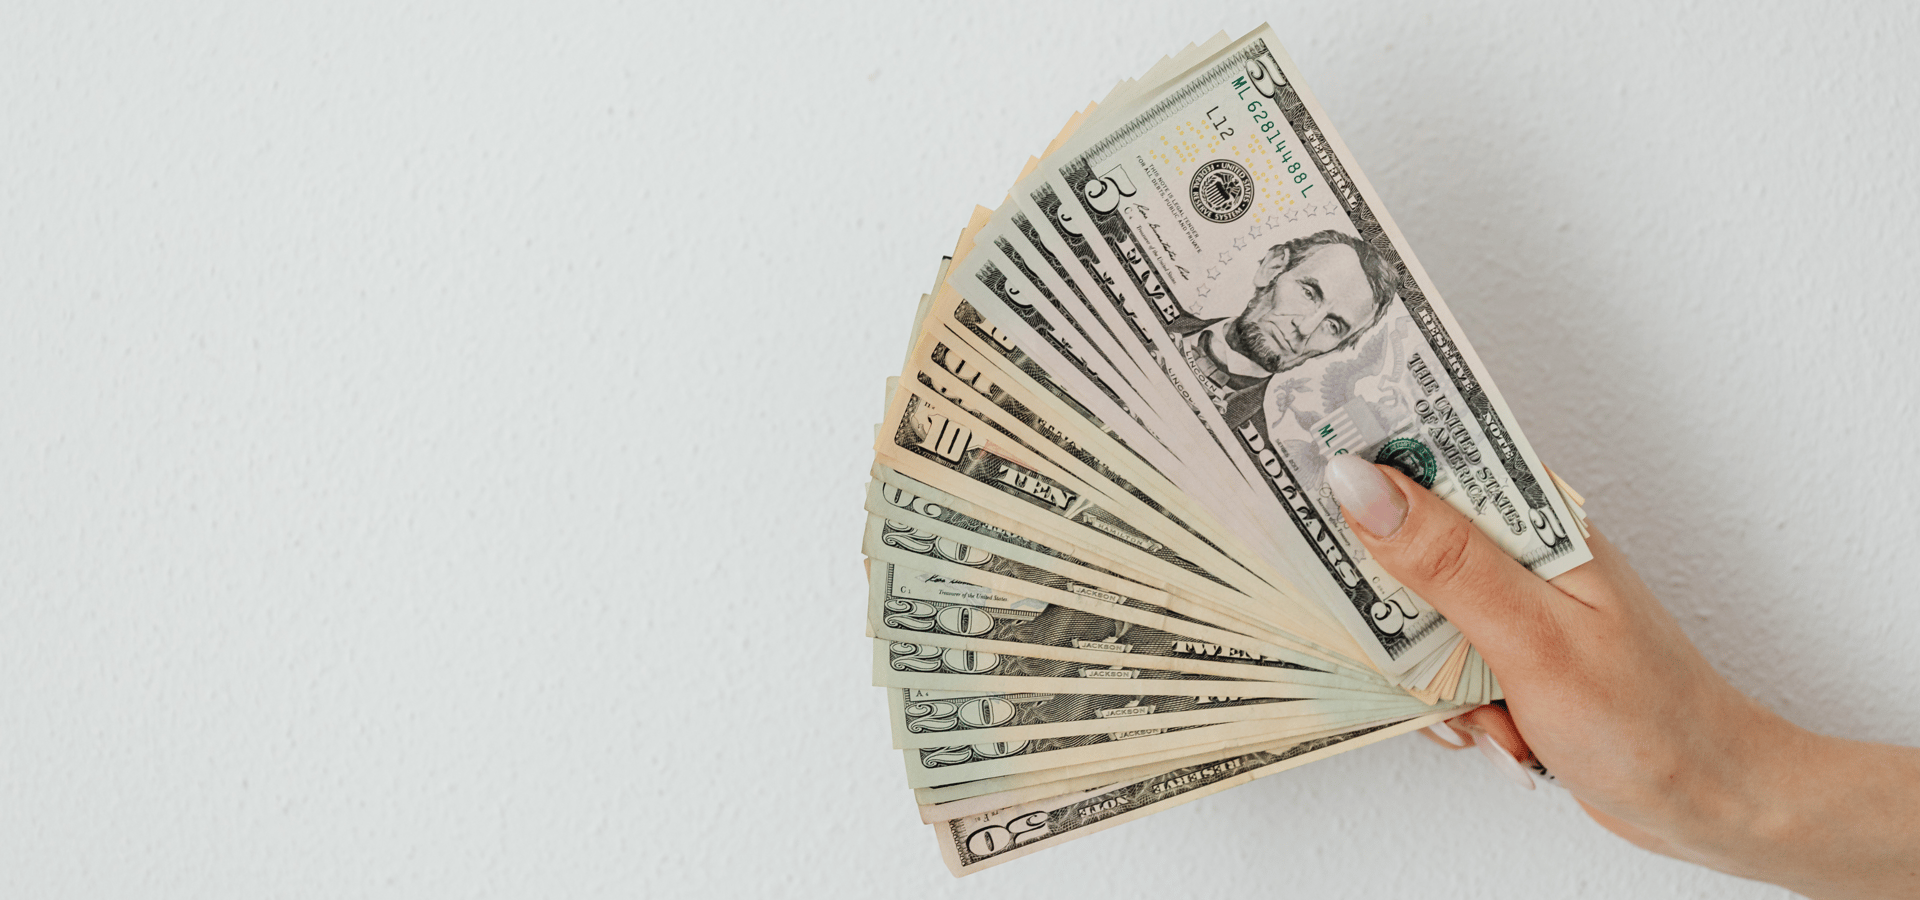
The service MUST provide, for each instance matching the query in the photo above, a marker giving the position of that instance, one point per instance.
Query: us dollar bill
(1007, 416)
(899, 664)
(939, 804)
(955, 541)
(1010, 293)
(1225, 222)
(1048, 274)
(969, 383)
(996, 279)
(1000, 400)
(927, 438)
(988, 794)
(922, 719)
(1045, 377)
(1037, 761)
(1065, 757)
(1108, 406)
(1109, 402)
(972, 843)
(930, 544)
(906, 605)
(1018, 581)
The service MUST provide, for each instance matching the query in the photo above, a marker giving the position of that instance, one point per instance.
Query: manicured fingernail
(1509, 767)
(1447, 735)
(1373, 502)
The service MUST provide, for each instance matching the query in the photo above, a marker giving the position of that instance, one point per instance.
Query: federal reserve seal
(1221, 190)
(1411, 457)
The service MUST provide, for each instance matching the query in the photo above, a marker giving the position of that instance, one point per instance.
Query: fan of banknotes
(1106, 574)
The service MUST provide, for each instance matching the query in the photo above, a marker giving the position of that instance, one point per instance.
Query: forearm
(1842, 820)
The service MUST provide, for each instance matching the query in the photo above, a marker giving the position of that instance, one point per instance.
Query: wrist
(1761, 829)
(1819, 815)
(1743, 811)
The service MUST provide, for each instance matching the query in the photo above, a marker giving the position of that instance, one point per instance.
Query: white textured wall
(432, 434)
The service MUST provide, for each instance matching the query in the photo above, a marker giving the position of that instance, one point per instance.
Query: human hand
(1604, 688)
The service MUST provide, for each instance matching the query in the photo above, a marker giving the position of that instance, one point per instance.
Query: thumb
(1432, 549)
